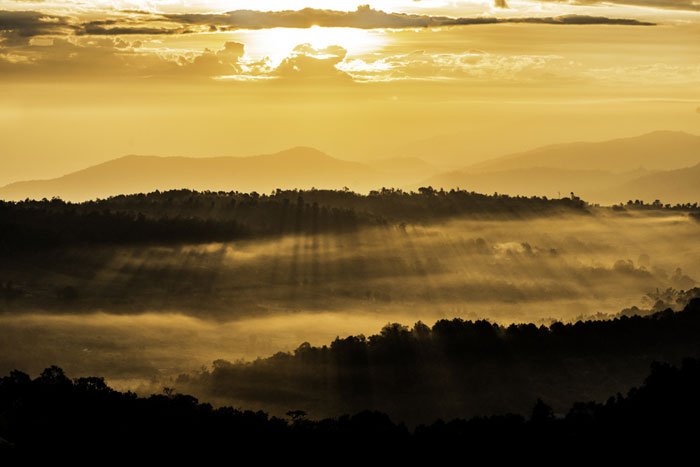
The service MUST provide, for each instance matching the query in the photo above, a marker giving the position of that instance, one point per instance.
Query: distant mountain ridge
(660, 165)
(659, 150)
(674, 186)
(300, 167)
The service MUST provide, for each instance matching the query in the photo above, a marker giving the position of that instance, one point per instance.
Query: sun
(278, 43)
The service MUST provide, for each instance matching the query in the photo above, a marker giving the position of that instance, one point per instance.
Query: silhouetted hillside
(190, 217)
(53, 416)
(457, 368)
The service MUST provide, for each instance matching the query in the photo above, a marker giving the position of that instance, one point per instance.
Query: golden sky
(453, 82)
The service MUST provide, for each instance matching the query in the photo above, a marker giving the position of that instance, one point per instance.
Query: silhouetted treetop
(52, 416)
(184, 216)
(457, 367)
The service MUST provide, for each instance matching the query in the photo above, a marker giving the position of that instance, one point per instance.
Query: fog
(142, 315)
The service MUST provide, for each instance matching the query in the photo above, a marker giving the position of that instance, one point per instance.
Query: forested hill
(53, 417)
(190, 217)
(457, 368)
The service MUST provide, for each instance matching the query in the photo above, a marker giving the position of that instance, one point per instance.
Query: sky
(453, 82)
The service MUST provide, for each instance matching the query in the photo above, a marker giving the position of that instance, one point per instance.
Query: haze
(152, 313)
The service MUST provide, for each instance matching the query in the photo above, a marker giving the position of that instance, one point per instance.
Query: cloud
(578, 20)
(130, 23)
(213, 63)
(17, 27)
(689, 5)
(310, 63)
(475, 65)
(90, 59)
(115, 58)
(101, 49)
(366, 17)
(96, 30)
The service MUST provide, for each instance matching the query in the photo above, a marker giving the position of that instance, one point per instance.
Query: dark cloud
(366, 18)
(689, 5)
(136, 23)
(17, 27)
(96, 30)
(580, 20)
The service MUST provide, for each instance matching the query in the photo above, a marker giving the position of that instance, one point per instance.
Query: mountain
(660, 150)
(300, 167)
(539, 181)
(659, 165)
(671, 186)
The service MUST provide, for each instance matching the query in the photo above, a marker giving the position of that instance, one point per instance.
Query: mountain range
(661, 165)
(299, 167)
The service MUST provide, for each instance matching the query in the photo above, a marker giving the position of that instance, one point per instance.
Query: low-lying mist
(142, 314)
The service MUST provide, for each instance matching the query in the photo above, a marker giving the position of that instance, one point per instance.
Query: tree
(296, 415)
(541, 412)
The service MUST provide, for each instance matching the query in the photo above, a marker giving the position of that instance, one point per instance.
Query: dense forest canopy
(457, 368)
(184, 216)
(53, 415)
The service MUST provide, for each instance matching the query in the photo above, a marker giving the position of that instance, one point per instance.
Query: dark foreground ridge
(55, 416)
(457, 368)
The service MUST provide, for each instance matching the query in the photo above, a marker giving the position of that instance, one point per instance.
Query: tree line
(84, 420)
(456, 368)
(185, 216)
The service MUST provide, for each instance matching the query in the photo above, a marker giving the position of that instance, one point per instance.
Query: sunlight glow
(278, 43)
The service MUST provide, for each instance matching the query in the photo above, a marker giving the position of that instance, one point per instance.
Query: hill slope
(671, 186)
(660, 150)
(659, 165)
(539, 181)
(299, 167)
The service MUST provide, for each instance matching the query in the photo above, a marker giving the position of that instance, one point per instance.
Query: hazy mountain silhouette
(300, 167)
(659, 150)
(605, 172)
(538, 181)
(671, 186)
